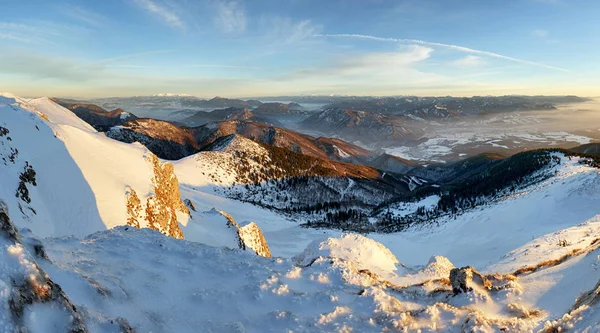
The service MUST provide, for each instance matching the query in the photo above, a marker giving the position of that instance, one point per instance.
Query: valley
(321, 244)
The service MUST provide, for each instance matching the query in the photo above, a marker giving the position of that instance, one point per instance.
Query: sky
(253, 48)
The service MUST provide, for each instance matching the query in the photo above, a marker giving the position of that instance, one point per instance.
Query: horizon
(234, 48)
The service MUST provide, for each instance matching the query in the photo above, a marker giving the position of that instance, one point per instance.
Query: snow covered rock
(218, 228)
(364, 252)
(26, 291)
(249, 237)
(465, 278)
(438, 266)
(252, 237)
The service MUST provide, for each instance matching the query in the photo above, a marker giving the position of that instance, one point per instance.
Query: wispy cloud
(394, 66)
(224, 66)
(469, 61)
(539, 33)
(230, 16)
(447, 46)
(288, 31)
(162, 11)
(25, 33)
(84, 15)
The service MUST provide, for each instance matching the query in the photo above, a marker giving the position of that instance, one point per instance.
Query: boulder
(465, 278)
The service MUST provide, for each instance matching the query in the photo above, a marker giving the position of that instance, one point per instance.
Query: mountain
(96, 116)
(432, 108)
(393, 163)
(276, 108)
(232, 113)
(366, 127)
(459, 170)
(164, 139)
(590, 149)
(327, 148)
(220, 102)
(91, 228)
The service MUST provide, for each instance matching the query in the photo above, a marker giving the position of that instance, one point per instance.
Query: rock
(189, 204)
(30, 283)
(249, 236)
(465, 278)
(252, 237)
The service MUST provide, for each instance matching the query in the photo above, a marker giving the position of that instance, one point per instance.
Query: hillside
(366, 127)
(96, 116)
(334, 149)
(243, 114)
(590, 149)
(164, 139)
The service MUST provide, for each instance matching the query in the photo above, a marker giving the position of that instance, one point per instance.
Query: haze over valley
(299, 166)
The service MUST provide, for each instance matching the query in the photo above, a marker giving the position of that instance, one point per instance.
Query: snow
(317, 280)
(362, 251)
(407, 208)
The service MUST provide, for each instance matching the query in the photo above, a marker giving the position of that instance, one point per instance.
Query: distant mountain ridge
(96, 116)
(355, 125)
(449, 107)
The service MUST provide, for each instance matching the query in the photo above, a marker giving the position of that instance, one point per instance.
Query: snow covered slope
(537, 249)
(81, 176)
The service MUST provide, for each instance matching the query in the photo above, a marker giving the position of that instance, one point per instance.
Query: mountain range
(248, 235)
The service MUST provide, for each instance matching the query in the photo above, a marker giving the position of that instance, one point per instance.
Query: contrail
(448, 46)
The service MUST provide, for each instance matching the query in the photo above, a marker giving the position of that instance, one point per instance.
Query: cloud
(365, 70)
(230, 16)
(469, 61)
(287, 31)
(28, 34)
(447, 46)
(84, 15)
(165, 13)
(540, 33)
(40, 66)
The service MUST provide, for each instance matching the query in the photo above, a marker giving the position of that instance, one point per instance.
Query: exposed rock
(134, 207)
(189, 204)
(249, 236)
(465, 278)
(30, 284)
(520, 311)
(161, 208)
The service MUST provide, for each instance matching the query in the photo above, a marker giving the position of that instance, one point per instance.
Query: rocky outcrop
(160, 210)
(252, 237)
(249, 236)
(30, 284)
(466, 278)
(189, 204)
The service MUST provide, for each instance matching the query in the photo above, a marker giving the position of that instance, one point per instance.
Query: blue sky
(238, 48)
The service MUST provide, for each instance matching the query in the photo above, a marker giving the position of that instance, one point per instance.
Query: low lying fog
(507, 133)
